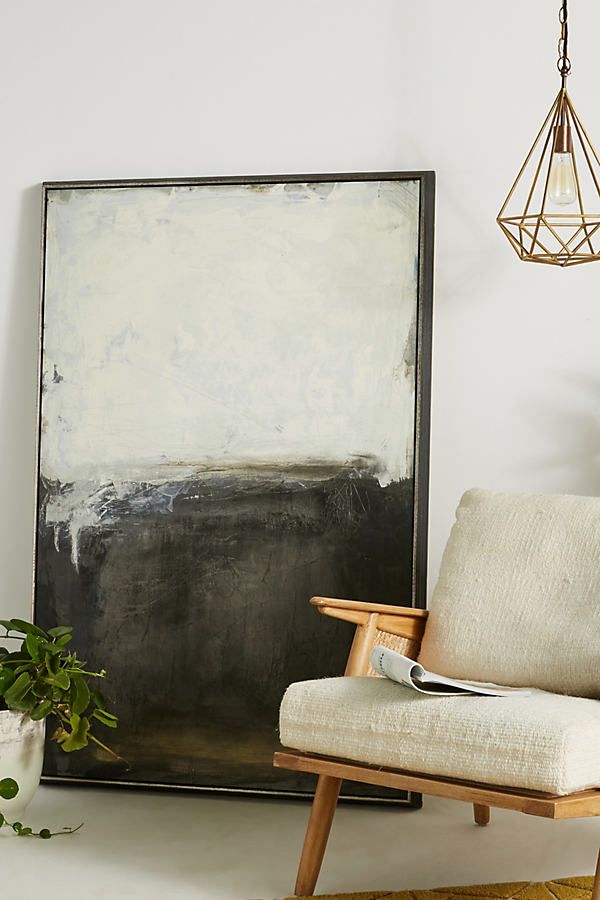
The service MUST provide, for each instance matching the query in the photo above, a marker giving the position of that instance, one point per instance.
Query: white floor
(171, 847)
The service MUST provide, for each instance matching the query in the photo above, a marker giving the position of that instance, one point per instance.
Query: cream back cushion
(518, 597)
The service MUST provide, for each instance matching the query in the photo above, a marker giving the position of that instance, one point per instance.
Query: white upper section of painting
(190, 328)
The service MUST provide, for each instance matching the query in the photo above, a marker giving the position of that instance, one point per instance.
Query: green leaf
(52, 663)
(62, 680)
(60, 631)
(17, 691)
(98, 699)
(29, 666)
(7, 677)
(25, 831)
(64, 640)
(41, 690)
(41, 710)
(33, 646)
(6, 623)
(51, 648)
(8, 788)
(27, 628)
(26, 703)
(77, 738)
(45, 834)
(2, 820)
(103, 717)
(80, 693)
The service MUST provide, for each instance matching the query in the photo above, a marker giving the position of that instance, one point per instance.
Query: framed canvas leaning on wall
(234, 415)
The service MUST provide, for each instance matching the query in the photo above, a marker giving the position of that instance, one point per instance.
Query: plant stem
(66, 830)
(93, 738)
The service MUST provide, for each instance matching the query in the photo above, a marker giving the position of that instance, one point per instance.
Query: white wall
(129, 88)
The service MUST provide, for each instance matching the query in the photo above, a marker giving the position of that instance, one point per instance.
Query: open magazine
(411, 674)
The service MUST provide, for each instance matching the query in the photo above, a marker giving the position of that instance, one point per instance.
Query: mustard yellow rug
(563, 889)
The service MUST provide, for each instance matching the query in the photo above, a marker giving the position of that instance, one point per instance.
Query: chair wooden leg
(481, 814)
(596, 884)
(317, 832)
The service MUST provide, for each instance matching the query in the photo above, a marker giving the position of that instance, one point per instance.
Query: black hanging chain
(563, 63)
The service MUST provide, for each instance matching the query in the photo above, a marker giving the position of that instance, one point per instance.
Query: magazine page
(410, 673)
(396, 666)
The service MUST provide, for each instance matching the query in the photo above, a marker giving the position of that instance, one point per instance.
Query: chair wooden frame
(408, 624)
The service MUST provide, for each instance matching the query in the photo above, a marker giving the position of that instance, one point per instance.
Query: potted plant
(40, 678)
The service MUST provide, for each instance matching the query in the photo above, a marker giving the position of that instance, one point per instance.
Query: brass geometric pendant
(541, 231)
(545, 216)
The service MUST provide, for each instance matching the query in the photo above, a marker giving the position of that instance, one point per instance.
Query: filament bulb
(562, 187)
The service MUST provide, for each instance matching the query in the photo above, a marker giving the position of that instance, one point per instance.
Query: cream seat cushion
(518, 597)
(543, 742)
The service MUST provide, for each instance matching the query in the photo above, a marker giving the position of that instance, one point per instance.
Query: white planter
(21, 758)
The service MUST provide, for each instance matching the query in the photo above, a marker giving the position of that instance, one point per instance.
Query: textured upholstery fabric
(518, 597)
(542, 741)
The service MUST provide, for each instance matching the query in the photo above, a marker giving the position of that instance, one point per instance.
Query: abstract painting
(233, 417)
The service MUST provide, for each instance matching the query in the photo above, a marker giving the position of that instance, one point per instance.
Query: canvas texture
(518, 597)
(538, 741)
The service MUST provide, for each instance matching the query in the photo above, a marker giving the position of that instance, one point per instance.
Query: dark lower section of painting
(197, 606)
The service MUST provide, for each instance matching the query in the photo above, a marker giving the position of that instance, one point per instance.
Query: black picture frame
(52, 578)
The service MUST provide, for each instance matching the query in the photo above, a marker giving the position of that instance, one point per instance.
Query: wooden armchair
(403, 629)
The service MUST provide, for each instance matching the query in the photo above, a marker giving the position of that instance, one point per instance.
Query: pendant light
(545, 216)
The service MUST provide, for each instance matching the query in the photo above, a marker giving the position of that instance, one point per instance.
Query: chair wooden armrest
(371, 618)
(361, 606)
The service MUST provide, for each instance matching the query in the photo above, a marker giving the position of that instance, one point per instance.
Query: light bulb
(562, 187)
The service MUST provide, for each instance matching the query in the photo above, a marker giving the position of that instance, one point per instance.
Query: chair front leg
(317, 832)
(596, 884)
